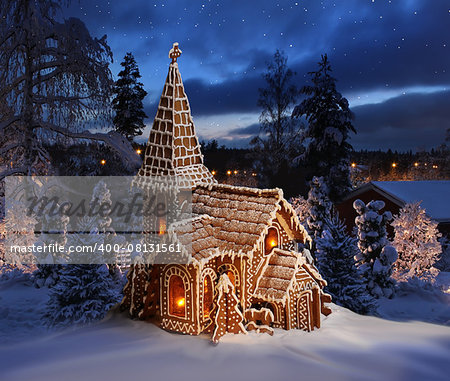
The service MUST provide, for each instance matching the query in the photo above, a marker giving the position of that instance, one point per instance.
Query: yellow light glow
(180, 302)
(416, 164)
(253, 174)
(103, 162)
(235, 172)
(213, 173)
(228, 173)
(138, 151)
(435, 166)
(394, 165)
(162, 227)
(273, 243)
(353, 165)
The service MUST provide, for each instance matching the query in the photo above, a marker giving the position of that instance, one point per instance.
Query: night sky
(391, 59)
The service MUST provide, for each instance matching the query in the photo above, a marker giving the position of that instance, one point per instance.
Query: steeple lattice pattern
(173, 147)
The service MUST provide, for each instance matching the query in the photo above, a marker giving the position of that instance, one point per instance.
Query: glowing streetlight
(138, 151)
(416, 164)
(394, 165)
(235, 172)
(213, 173)
(103, 162)
(228, 172)
(353, 165)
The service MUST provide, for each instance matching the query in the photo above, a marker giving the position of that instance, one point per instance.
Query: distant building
(434, 196)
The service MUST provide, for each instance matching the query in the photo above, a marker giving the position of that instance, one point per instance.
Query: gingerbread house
(249, 266)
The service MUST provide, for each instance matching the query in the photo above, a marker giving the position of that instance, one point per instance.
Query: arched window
(162, 225)
(231, 277)
(231, 272)
(208, 296)
(271, 241)
(177, 296)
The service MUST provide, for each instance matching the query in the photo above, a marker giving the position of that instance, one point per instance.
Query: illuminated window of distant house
(271, 240)
(177, 296)
(208, 295)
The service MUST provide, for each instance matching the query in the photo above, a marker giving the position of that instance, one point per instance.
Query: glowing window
(162, 226)
(208, 296)
(271, 240)
(177, 296)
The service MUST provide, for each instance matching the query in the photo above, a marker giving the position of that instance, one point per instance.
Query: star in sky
(391, 59)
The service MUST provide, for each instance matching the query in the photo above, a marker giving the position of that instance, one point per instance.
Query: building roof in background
(433, 194)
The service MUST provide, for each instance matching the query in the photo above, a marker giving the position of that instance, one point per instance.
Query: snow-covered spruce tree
(319, 207)
(54, 79)
(335, 254)
(329, 125)
(301, 207)
(376, 257)
(101, 207)
(279, 142)
(84, 291)
(127, 103)
(416, 241)
(54, 231)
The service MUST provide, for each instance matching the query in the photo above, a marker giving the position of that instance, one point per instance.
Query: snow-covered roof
(232, 220)
(173, 147)
(280, 273)
(434, 194)
(277, 277)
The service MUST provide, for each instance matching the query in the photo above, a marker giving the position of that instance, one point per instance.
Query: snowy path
(347, 347)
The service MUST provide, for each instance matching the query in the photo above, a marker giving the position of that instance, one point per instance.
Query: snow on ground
(21, 308)
(347, 347)
(415, 303)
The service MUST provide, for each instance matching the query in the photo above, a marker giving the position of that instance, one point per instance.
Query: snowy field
(347, 347)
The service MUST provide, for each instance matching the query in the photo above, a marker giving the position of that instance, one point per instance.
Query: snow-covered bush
(416, 241)
(335, 254)
(376, 257)
(319, 207)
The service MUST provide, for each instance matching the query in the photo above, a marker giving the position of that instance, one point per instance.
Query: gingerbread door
(304, 311)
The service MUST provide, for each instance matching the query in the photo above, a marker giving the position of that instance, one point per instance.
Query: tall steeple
(173, 147)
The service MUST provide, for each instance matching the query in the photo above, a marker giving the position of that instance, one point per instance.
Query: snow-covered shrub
(335, 254)
(416, 241)
(376, 257)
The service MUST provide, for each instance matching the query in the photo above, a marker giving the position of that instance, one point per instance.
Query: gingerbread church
(248, 268)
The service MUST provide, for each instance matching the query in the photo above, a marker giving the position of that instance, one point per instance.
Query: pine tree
(335, 260)
(228, 316)
(301, 208)
(54, 229)
(376, 257)
(101, 200)
(319, 207)
(329, 124)
(127, 103)
(416, 241)
(84, 291)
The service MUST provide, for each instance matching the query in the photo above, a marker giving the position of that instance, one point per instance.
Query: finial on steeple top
(175, 52)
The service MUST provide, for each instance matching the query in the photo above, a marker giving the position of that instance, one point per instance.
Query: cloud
(410, 121)
(252, 129)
